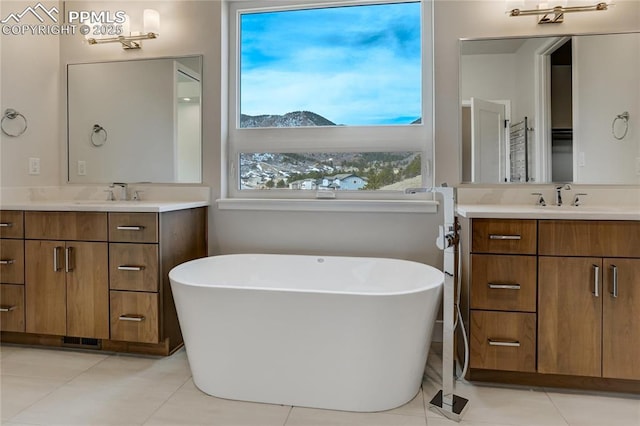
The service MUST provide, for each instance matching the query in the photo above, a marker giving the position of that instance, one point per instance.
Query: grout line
(288, 415)
(557, 409)
(165, 401)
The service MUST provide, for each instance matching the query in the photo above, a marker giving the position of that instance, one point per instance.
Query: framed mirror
(135, 121)
(551, 109)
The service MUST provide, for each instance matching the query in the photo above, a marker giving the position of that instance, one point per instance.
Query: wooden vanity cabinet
(66, 277)
(12, 271)
(559, 309)
(503, 295)
(143, 247)
(589, 298)
(95, 279)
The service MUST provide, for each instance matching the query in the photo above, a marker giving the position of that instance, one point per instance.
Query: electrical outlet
(82, 168)
(34, 166)
(581, 159)
(638, 166)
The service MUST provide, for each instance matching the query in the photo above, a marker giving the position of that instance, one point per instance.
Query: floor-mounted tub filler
(341, 333)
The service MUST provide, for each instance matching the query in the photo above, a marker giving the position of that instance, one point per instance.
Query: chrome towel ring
(12, 114)
(625, 122)
(98, 135)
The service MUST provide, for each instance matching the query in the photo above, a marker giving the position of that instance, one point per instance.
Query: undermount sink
(586, 208)
(107, 203)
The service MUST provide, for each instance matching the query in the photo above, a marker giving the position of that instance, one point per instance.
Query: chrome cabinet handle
(6, 225)
(56, 264)
(596, 280)
(131, 317)
(504, 286)
(130, 228)
(499, 342)
(68, 264)
(130, 268)
(7, 308)
(504, 237)
(614, 293)
(7, 261)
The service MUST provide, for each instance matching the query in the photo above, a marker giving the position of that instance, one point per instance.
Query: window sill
(350, 206)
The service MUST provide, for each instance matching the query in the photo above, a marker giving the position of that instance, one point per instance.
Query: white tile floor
(42, 386)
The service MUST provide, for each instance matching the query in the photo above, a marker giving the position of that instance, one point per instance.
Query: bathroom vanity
(95, 275)
(551, 295)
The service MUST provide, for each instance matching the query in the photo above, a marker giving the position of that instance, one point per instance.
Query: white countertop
(515, 211)
(103, 206)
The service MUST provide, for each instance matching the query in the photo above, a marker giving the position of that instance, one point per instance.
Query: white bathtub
(341, 333)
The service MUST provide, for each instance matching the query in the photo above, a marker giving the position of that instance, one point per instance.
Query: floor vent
(81, 342)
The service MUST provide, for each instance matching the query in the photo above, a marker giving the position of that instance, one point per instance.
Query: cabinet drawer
(600, 238)
(11, 307)
(133, 227)
(69, 226)
(503, 341)
(134, 316)
(11, 224)
(12, 261)
(133, 267)
(503, 282)
(509, 236)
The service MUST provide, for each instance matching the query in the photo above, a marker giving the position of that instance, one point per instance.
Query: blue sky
(357, 65)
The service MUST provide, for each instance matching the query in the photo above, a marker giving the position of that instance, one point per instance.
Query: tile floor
(42, 386)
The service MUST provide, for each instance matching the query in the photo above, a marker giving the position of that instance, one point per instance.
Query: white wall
(30, 84)
(190, 27)
(606, 74)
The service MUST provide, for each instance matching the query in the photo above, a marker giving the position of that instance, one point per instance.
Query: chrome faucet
(124, 195)
(540, 201)
(576, 199)
(559, 193)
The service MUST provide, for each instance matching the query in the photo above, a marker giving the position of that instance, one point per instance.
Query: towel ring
(98, 135)
(625, 119)
(12, 114)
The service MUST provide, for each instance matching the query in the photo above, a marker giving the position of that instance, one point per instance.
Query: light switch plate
(34, 166)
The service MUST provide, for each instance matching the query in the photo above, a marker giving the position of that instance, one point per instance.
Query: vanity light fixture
(129, 39)
(553, 14)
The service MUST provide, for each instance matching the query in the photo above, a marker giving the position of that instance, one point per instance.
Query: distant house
(342, 181)
(303, 184)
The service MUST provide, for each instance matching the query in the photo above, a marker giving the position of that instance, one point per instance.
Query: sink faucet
(540, 201)
(559, 193)
(124, 193)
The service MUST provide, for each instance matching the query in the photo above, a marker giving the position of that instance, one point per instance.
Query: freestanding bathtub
(341, 333)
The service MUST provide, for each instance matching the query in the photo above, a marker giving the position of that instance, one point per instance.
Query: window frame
(376, 138)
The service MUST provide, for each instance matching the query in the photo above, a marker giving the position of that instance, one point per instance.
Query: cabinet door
(87, 289)
(45, 288)
(621, 313)
(569, 316)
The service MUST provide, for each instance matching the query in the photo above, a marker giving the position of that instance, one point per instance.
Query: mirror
(135, 121)
(551, 109)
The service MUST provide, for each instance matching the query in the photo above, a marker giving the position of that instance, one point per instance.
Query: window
(329, 97)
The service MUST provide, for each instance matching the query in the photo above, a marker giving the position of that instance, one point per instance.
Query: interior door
(488, 150)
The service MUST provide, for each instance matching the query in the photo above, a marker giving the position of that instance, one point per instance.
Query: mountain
(290, 119)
